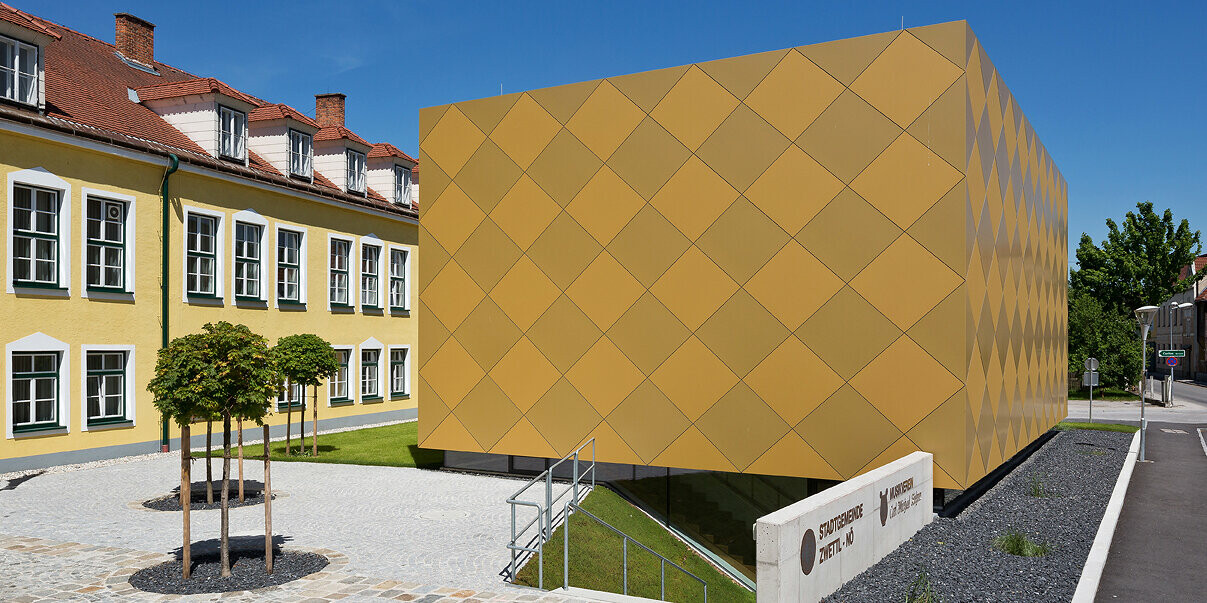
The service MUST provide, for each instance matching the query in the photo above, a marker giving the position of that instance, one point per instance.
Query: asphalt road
(1190, 406)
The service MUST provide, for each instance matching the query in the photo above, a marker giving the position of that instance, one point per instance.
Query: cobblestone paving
(418, 531)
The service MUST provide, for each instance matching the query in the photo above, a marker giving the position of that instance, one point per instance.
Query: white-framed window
(19, 71)
(108, 383)
(340, 262)
(338, 391)
(400, 371)
(356, 171)
(203, 253)
(301, 154)
(291, 265)
(232, 133)
(370, 276)
(109, 241)
(249, 235)
(400, 279)
(370, 374)
(37, 392)
(294, 393)
(39, 242)
(402, 185)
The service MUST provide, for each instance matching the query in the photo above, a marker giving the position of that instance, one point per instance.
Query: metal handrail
(545, 518)
(624, 555)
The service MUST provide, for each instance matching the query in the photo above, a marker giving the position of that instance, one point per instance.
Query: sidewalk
(1159, 551)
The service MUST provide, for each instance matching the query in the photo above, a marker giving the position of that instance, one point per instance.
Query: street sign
(1171, 361)
(1171, 354)
(1090, 379)
(1091, 364)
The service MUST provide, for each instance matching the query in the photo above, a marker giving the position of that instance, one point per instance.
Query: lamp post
(1144, 315)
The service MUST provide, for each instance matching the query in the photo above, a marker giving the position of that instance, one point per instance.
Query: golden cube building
(805, 262)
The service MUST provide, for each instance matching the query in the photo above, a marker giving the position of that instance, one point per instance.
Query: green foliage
(224, 369)
(389, 446)
(921, 591)
(1036, 488)
(1139, 263)
(1111, 337)
(1071, 425)
(1016, 543)
(306, 359)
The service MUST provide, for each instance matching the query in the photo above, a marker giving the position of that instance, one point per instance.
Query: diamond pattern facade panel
(801, 262)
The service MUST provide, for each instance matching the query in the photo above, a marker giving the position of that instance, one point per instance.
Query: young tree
(306, 359)
(1107, 336)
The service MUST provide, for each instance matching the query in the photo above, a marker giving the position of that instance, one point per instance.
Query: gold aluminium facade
(805, 262)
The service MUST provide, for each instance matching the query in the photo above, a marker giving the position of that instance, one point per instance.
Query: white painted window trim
(42, 178)
(406, 278)
(353, 377)
(219, 252)
(302, 263)
(38, 342)
(406, 368)
(240, 140)
(382, 271)
(250, 216)
(129, 381)
(372, 344)
(129, 234)
(353, 272)
(39, 75)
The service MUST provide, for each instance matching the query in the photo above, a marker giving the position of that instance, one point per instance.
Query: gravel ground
(1076, 470)
(247, 573)
(253, 494)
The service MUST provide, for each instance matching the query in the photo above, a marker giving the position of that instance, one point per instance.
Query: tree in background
(1108, 336)
(306, 359)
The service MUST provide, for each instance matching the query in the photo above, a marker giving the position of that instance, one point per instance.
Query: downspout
(163, 271)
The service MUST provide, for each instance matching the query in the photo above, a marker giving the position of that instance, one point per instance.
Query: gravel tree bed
(253, 494)
(247, 572)
(1076, 471)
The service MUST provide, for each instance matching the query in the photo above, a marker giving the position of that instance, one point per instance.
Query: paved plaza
(398, 533)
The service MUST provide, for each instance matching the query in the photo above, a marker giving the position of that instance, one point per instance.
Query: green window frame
(370, 378)
(36, 248)
(398, 282)
(398, 372)
(339, 381)
(289, 266)
(35, 391)
(105, 256)
(105, 380)
(248, 258)
(338, 284)
(370, 265)
(201, 261)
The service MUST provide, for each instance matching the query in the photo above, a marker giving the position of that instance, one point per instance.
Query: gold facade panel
(742, 245)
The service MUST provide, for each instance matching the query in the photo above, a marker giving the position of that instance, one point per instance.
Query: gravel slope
(1077, 468)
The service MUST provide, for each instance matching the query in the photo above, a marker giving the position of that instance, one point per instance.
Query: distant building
(275, 219)
(1186, 326)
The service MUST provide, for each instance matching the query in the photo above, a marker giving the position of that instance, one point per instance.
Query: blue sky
(1114, 89)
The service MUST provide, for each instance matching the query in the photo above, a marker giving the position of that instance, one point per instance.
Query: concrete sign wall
(807, 550)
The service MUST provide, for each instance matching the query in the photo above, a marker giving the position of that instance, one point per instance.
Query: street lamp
(1144, 315)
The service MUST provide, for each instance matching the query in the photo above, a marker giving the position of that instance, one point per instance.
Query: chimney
(135, 38)
(329, 109)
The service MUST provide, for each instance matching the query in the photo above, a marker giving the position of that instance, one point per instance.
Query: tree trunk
(209, 447)
(314, 438)
(224, 547)
(288, 414)
(302, 423)
(267, 506)
(240, 460)
(186, 496)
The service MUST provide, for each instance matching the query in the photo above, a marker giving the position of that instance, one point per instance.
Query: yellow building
(805, 262)
(275, 220)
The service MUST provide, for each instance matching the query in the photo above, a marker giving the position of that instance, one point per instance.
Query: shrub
(921, 591)
(1015, 542)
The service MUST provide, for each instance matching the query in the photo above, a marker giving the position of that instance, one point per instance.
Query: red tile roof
(385, 149)
(338, 133)
(87, 96)
(1199, 263)
(280, 111)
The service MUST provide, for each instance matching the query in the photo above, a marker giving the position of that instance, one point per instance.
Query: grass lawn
(389, 445)
(1107, 393)
(596, 556)
(1070, 425)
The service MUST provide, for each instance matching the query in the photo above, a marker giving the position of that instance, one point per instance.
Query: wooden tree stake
(267, 505)
(240, 460)
(314, 437)
(209, 452)
(288, 414)
(186, 496)
(224, 553)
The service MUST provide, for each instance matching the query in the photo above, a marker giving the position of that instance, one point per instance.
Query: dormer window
(232, 133)
(356, 172)
(18, 71)
(402, 185)
(301, 152)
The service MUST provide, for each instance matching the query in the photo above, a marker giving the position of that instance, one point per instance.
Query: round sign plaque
(1171, 361)
(808, 551)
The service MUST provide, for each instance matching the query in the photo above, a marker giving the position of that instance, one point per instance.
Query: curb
(1095, 563)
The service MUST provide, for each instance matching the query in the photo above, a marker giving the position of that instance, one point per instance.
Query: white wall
(270, 140)
(195, 117)
(331, 161)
